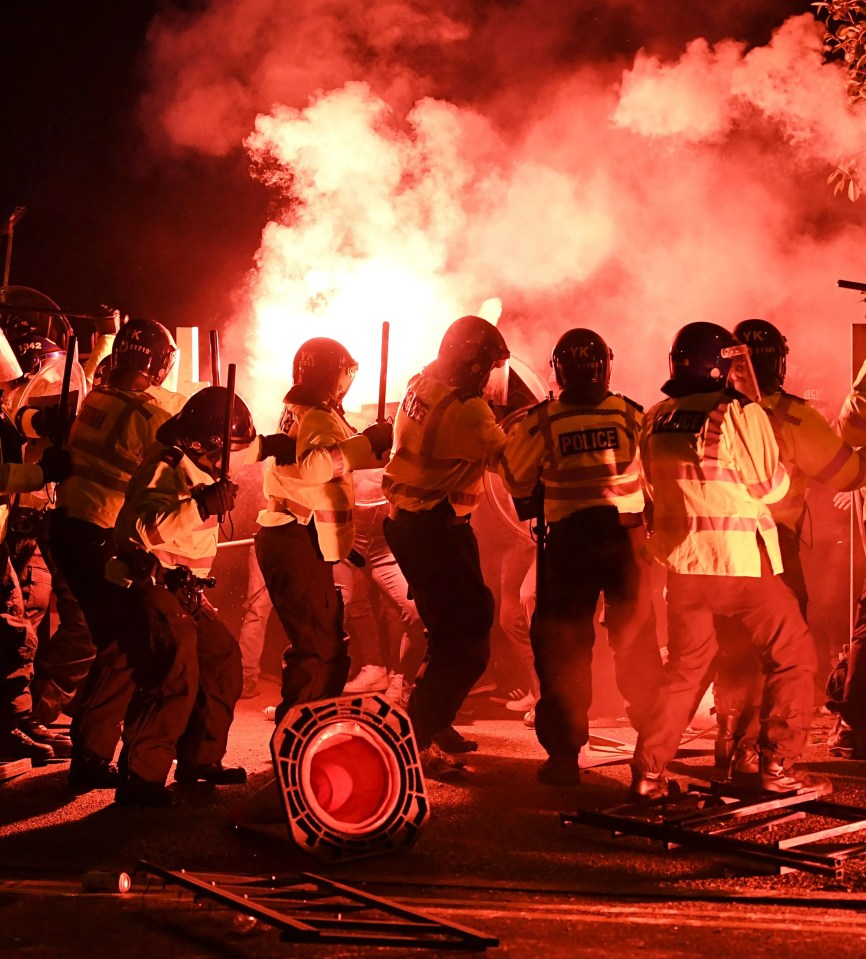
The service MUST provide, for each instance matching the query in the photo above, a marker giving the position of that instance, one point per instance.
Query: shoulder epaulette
(792, 396)
(630, 401)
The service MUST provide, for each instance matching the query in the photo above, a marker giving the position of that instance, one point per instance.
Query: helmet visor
(741, 375)
(10, 368)
(496, 387)
(345, 378)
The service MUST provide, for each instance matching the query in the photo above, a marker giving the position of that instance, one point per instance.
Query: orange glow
(630, 196)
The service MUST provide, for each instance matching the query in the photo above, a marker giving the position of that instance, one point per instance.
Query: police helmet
(198, 427)
(31, 349)
(769, 352)
(325, 369)
(697, 355)
(470, 349)
(145, 347)
(581, 364)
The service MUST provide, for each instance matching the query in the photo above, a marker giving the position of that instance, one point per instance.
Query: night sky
(109, 221)
(113, 218)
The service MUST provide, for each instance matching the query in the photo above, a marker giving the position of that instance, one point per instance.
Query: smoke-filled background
(285, 170)
(423, 158)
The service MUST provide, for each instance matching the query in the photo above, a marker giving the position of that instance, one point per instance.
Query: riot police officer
(116, 424)
(185, 663)
(582, 448)
(810, 451)
(711, 464)
(445, 436)
(306, 525)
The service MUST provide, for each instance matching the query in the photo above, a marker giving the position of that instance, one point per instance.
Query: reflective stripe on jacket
(443, 441)
(319, 485)
(809, 450)
(160, 515)
(109, 438)
(711, 466)
(584, 456)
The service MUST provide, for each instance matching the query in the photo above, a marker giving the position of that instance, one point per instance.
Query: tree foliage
(846, 40)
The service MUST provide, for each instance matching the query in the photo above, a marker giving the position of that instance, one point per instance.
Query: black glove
(381, 437)
(56, 464)
(280, 446)
(41, 420)
(214, 499)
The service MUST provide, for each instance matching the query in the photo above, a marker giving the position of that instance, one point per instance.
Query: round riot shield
(23, 307)
(525, 391)
(44, 388)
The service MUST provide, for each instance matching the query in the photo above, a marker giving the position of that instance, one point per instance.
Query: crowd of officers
(710, 483)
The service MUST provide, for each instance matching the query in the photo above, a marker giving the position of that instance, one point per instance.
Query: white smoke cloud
(422, 161)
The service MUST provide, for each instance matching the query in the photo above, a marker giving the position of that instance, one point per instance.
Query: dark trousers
(301, 587)
(63, 658)
(187, 674)
(852, 706)
(438, 555)
(81, 550)
(17, 648)
(767, 611)
(586, 555)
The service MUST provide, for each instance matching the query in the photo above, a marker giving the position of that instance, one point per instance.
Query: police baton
(63, 418)
(383, 371)
(215, 357)
(851, 285)
(227, 427)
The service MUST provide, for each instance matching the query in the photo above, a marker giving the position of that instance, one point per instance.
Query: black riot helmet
(769, 352)
(323, 371)
(470, 350)
(697, 360)
(581, 364)
(32, 349)
(198, 428)
(142, 348)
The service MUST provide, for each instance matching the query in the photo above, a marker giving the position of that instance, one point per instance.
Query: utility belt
(28, 521)
(599, 517)
(139, 566)
(442, 512)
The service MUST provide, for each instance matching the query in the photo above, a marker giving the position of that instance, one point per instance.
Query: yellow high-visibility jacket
(159, 514)
(584, 456)
(711, 467)
(109, 438)
(809, 450)
(318, 486)
(444, 439)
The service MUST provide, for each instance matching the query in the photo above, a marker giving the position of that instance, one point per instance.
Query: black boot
(778, 774)
(213, 773)
(452, 741)
(88, 771)
(725, 744)
(135, 791)
(746, 765)
(649, 786)
(16, 744)
(559, 771)
(59, 742)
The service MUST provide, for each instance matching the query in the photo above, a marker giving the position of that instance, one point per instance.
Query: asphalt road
(494, 856)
